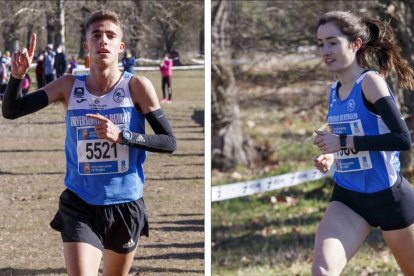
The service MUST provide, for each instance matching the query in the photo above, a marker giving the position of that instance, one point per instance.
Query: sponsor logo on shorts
(129, 244)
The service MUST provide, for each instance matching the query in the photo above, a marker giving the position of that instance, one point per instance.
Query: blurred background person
(3, 77)
(49, 64)
(26, 84)
(87, 61)
(128, 62)
(73, 64)
(40, 76)
(60, 62)
(166, 78)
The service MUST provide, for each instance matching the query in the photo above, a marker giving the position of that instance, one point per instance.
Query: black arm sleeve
(162, 141)
(399, 137)
(14, 106)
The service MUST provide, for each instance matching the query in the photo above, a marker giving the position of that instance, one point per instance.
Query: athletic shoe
(164, 100)
(169, 101)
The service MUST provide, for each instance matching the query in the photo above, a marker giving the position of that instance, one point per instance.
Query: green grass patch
(273, 234)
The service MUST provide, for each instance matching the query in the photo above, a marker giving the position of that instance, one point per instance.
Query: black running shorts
(115, 227)
(390, 209)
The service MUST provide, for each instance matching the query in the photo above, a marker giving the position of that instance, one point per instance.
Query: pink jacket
(166, 67)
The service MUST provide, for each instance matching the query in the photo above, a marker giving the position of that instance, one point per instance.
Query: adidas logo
(140, 139)
(129, 244)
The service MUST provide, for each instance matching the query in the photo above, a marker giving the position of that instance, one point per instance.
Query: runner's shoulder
(143, 93)
(62, 84)
(140, 81)
(60, 89)
(141, 84)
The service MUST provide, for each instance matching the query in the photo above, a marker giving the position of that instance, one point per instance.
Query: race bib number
(99, 156)
(350, 159)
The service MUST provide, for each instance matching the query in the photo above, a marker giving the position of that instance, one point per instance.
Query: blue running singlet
(363, 171)
(98, 171)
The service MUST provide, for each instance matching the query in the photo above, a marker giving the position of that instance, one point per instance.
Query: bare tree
(60, 14)
(14, 22)
(142, 33)
(402, 19)
(174, 23)
(136, 31)
(229, 145)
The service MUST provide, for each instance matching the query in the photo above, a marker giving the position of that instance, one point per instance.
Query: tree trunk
(401, 13)
(137, 30)
(201, 42)
(29, 35)
(60, 34)
(85, 12)
(51, 29)
(10, 37)
(229, 146)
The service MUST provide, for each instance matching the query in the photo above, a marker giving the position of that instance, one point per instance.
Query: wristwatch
(126, 136)
(342, 141)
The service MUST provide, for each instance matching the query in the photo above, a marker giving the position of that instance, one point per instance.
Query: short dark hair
(102, 15)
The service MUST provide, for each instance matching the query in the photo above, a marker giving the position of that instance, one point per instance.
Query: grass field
(32, 168)
(281, 103)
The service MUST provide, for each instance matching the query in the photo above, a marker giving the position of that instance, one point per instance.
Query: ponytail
(380, 49)
(379, 45)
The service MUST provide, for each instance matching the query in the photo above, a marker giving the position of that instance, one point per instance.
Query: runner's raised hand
(22, 59)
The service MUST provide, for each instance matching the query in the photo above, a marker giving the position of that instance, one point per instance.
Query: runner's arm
(398, 138)
(15, 106)
(162, 141)
(146, 99)
(377, 92)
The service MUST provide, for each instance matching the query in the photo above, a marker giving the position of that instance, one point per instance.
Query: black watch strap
(342, 141)
(126, 136)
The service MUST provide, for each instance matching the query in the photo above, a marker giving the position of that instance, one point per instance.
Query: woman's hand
(22, 59)
(324, 162)
(327, 142)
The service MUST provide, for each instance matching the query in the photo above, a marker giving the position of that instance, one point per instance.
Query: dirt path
(31, 179)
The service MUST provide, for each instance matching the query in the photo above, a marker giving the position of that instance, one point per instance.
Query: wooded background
(150, 27)
(242, 29)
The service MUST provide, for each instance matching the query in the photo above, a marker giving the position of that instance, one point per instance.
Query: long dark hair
(379, 45)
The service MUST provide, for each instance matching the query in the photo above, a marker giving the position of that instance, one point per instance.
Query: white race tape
(82, 70)
(246, 188)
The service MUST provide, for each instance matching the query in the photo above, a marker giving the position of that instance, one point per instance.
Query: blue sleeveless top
(98, 171)
(363, 171)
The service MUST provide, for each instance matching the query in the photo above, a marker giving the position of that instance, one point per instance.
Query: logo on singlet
(119, 95)
(79, 92)
(332, 103)
(351, 105)
(87, 168)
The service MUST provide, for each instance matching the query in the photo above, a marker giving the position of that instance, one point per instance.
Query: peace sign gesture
(22, 59)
